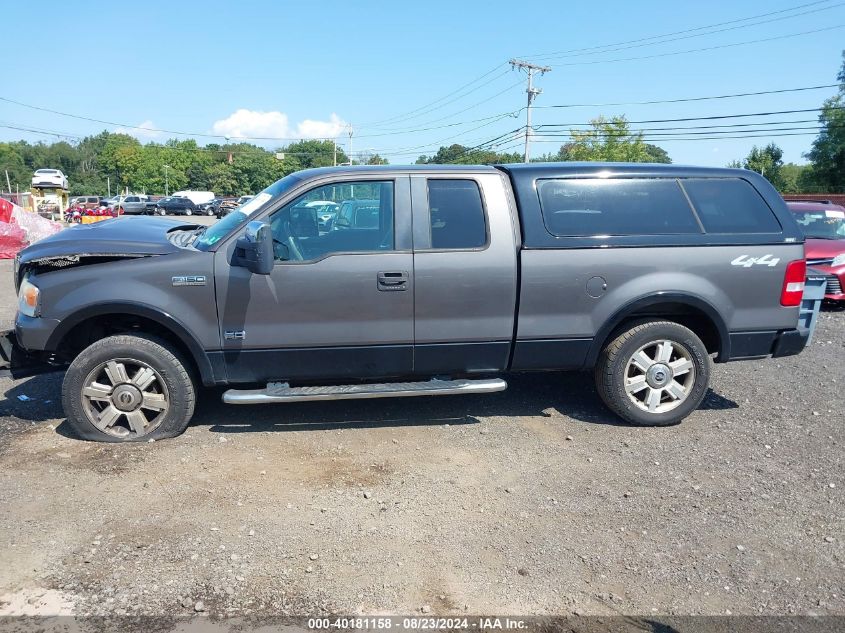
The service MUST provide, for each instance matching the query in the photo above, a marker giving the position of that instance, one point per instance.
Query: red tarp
(19, 228)
(5, 210)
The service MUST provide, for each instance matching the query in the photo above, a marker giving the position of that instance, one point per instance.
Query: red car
(823, 225)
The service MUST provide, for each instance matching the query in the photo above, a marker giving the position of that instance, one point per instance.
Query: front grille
(834, 286)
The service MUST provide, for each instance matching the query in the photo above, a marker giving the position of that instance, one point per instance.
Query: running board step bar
(282, 392)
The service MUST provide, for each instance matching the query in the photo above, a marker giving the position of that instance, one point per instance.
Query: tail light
(793, 283)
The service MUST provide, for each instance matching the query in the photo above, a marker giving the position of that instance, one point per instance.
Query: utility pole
(166, 183)
(334, 142)
(8, 184)
(532, 92)
(350, 144)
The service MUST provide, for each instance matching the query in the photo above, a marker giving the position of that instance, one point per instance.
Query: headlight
(839, 260)
(29, 299)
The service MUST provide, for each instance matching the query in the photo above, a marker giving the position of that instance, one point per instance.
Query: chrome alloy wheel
(659, 376)
(125, 397)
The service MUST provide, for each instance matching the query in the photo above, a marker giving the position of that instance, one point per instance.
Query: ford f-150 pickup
(447, 278)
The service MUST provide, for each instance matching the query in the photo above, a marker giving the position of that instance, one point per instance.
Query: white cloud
(320, 129)
(248, 124)
(144, 131)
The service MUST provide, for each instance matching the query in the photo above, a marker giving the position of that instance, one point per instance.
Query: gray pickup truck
(134, 205)
(449, 278)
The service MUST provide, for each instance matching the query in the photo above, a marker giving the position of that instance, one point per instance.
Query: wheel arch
(97, 321)
(688, 310)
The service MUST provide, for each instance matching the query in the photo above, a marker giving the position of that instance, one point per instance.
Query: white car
(49, 178)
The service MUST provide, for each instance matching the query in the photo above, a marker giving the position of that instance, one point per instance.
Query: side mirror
(254, 250)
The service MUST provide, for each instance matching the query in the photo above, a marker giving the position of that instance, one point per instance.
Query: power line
(689, 99)
(225, 150)
(705, 138)
(700, 50)
(466, 109)
(413, 114)
(267, 138)
(649, 41)
(683, 132)
(700, 118)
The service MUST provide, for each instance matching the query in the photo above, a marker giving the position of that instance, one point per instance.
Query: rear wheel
(653, 374)
(188, 212)
(127, 388)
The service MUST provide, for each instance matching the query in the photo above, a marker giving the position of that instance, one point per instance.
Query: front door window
(345, 217)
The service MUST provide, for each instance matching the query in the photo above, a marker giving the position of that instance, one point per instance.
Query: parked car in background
(86, 202)
(107, 202)
(133, 205)
(197, 197)
(49, 178)
(231, 203)
(357, 214)
(175, 205)
(211, 208)
(823, 225)
(326, 211)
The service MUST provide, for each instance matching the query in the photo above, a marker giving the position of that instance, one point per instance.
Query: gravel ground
(532, 501)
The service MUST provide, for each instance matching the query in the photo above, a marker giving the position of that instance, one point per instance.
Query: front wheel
(127, 388)
(654, 374)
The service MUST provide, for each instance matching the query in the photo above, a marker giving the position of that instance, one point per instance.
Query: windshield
(241, 214)
(825, 225)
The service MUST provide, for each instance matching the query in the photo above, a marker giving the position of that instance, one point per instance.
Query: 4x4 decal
(747, 262)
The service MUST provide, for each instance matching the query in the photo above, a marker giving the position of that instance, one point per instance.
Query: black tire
(162, 211)
(171, 385)
(617, 371)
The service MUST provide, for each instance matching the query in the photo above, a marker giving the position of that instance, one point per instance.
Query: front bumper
(21, 362)
(835, 277)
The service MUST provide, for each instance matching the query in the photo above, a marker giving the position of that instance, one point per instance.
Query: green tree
(795, 178)
(828, 152)
(608, 140)
(460, 155)
(221, 180)
(11, 162)
(657, 154)
(312, 153)
(767, 161)
(375, 159)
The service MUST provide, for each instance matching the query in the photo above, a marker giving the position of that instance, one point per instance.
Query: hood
(823, 249)
(127, 236)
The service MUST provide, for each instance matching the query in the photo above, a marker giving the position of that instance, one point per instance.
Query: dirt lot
(535, 500)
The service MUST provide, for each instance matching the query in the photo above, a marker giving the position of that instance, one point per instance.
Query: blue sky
(306, 69)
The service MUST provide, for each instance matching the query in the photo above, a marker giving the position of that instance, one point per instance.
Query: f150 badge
(747, 262)
(188, 280)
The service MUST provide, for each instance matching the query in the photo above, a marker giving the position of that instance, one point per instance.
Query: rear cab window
(730, 205)
(456, 214)
(615, 206)
(607, 207)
